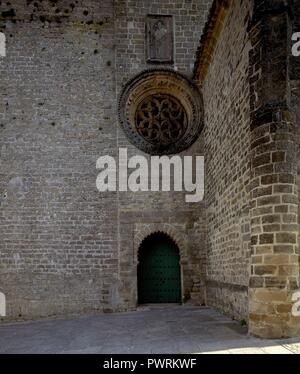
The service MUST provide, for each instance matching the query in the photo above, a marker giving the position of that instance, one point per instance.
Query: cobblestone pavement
(152, 329)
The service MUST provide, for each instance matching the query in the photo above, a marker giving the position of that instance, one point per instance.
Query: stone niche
(161, 112)
(160, 39)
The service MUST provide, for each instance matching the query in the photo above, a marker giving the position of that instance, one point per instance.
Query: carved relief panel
(160, 39)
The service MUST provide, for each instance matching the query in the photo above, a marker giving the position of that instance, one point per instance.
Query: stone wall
(160, 208)
(274, 202)
(251, 140)
(58, 250)
(66, 248)
(294, 81)
(227, 150)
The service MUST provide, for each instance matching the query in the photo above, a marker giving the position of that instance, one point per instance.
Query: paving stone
(117, 333)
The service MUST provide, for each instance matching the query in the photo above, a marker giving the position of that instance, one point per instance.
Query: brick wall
(294, 75)
(227, 149)
(58, 250)
(251, 93)
(274, 201)
(160, 208)
(65, 247)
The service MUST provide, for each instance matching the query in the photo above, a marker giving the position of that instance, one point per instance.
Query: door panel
(159, 271)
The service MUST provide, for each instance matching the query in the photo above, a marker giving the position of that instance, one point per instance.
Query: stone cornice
(210, 38)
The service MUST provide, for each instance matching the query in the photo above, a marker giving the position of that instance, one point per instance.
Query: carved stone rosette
(161, 112)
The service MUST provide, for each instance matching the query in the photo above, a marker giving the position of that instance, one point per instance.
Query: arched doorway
(159, 278)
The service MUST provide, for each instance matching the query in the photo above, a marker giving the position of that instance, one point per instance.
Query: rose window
(161, 119)
(161, 112)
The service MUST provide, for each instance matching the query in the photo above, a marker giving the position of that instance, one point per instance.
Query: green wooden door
(159, 271)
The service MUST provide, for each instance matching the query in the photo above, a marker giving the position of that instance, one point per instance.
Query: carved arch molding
(161, 112)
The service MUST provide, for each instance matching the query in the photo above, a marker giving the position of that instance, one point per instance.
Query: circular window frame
(165, 82)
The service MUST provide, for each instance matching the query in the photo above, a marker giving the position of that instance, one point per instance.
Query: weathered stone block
(265, 270)
(286, 237)
(266, 238)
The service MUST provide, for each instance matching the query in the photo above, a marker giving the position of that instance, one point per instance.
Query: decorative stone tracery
(161, 112)
(161, 119)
